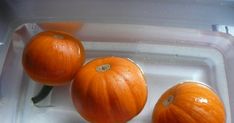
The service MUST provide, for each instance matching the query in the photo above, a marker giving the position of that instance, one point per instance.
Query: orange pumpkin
(53, 57)
(189, 102)
(69, 27)
(109, 90)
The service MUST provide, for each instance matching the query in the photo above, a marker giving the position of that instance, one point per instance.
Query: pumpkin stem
(44, 92)
(103, 68)
(168, 101)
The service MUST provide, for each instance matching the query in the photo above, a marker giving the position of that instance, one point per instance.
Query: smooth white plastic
(166, 55)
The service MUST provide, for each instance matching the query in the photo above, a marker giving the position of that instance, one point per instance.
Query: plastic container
(171, 40)
(166, 55)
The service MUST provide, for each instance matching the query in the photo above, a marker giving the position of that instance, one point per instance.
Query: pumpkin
(109, 90)
(189, 102)
(69, 27)
(53, 57)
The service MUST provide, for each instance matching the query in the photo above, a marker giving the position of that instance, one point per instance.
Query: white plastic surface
(164, 65)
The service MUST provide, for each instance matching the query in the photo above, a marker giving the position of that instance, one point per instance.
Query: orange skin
(53, 58)
(189, 102)
(109, 90)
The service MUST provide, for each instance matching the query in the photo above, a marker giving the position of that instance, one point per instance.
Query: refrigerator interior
(182, 47)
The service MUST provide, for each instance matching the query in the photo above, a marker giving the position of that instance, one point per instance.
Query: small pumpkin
(69, 27)
(109, 90)
(189, 102)
(53, 57)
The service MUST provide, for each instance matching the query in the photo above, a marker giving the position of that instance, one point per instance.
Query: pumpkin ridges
(204, 97)
(194, 114)
(108, 99)
(170, 115)
(89, 84)
(160, 111)
(62, 57)
(193, 90)
(95, 101)
(81, 47)
(88, 105)
(202, 114)
(121, 68)
(113, 99)
(90, 88)
(160, 119)
(212, 100)
(105, 100)
(86, 70)
(40, 61)
(88, 79)
(114, 102)
(173, 115)
(108, 110)
(59, 58)
(165, 117)
(137, 83)
(185, 118)
(119, 104)
(69, 60)
(135, 94)
(82, 86)
(204, 106)
(129, 89)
